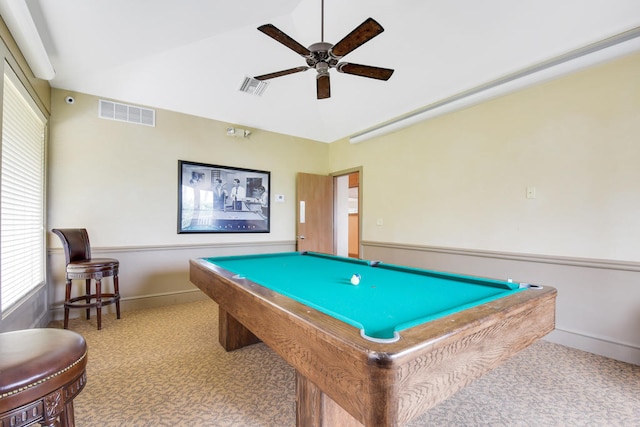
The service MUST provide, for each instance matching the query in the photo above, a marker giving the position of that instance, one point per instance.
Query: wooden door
(314, 230)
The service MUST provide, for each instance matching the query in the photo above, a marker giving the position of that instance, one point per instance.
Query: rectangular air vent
(253, 86)
(126, 113)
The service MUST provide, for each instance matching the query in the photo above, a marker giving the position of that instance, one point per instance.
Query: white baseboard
(602, 347)
(138, 303)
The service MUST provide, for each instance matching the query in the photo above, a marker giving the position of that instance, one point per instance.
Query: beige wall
(119, 180)
(459, 180)
(449, 191)
(451, 194)
(456, 182)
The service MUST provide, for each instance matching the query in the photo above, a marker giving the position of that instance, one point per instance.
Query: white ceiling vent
(253, 86)
(127, 113)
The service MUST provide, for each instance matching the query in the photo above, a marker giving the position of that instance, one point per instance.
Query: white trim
(182, 247)
(16, 15)
(544, 259)
(615, 350)
(141, 302)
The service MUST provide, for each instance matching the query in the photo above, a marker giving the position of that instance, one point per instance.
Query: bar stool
(80, 265)
(42, 371)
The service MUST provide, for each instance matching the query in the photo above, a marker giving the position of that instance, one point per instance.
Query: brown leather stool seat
(80, 265)
(41, 371)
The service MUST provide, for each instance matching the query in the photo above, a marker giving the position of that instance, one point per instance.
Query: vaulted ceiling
(191, 56)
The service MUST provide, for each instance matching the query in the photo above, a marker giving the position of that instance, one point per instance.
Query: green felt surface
(389, 298)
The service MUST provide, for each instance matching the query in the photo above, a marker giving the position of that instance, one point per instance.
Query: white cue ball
(355, 279)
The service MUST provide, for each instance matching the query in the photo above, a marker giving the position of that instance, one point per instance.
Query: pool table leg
(315, 409)
(232, 334)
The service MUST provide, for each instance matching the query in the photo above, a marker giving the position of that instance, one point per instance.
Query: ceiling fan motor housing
(321, 54)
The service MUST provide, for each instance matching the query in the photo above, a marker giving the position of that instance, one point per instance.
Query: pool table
(376, 353)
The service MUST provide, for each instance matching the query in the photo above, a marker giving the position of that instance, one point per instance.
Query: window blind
(22, 194)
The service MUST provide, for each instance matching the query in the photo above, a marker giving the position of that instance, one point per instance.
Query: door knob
(300, 237)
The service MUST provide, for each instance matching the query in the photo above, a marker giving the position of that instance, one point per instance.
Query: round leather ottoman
(41, 371)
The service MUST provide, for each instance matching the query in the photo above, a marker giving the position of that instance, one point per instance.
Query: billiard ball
(355, 279)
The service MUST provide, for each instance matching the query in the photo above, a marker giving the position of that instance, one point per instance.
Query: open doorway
(347, 214)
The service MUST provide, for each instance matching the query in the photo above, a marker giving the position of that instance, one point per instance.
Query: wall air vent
(126, 113)
(253, 86)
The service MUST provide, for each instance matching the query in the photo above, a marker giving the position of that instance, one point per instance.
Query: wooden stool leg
(117, 292)
(67, 297)
(88, 296)
(67, 417)
(99, 302)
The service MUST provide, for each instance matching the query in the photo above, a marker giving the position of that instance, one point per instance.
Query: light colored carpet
(164, 367)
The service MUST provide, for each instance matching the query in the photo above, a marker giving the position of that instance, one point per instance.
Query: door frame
(344, 172)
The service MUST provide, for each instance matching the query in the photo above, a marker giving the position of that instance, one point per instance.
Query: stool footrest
(105, 299)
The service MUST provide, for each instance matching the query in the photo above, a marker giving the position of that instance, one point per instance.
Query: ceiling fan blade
(356, 38)
(323, 86)
(365, 71)
(281, 73)
(281, 37)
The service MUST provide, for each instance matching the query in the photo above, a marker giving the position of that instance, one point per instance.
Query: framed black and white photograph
(222, 199)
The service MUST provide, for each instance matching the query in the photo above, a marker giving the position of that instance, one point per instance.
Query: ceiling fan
(323, 56)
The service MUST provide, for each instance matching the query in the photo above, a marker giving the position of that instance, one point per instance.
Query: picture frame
(222, 199)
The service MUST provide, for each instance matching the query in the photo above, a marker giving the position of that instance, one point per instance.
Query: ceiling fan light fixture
(322, 68)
